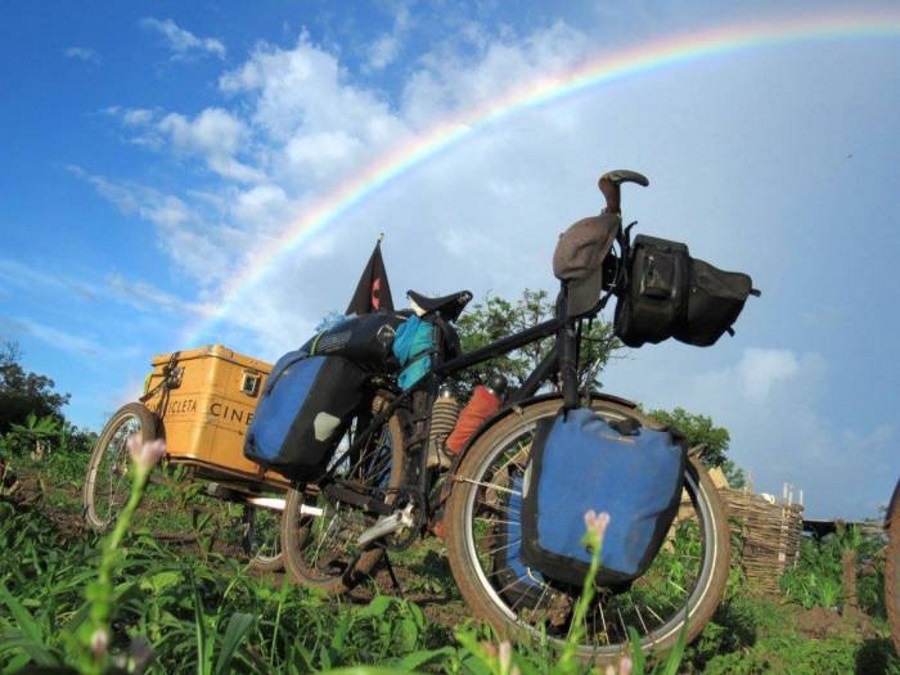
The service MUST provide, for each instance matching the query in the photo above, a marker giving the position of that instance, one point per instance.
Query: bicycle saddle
(448, 306)
(610, 185)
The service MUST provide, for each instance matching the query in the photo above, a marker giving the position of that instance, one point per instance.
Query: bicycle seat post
(565, 341)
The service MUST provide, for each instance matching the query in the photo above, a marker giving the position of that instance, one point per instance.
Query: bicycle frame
(561, 358)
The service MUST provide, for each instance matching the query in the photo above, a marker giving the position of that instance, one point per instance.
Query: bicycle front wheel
(683, 586)
(892, 568)
(108, 484)
(320, 533)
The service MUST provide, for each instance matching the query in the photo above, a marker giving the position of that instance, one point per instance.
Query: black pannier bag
(366, 340)
(715, 300)
(654, 301)
(581, 461)
(304, 410)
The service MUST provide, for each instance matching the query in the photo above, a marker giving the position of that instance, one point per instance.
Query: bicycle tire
(477, 503)
(320, 551)
(261, 538)
(107, 484)
(892, 568)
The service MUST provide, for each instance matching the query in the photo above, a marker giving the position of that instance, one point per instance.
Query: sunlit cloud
(182, 42)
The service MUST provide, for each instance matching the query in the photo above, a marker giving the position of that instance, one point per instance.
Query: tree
(36, 435)
(700, 430)
(23, 393)
(496, 318)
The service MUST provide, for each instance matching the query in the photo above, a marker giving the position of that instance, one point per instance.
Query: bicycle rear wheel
(261, 538)
(108, 484)
(320, 533)
(684, 585)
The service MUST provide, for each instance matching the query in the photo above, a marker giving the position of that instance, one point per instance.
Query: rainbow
(594, 72)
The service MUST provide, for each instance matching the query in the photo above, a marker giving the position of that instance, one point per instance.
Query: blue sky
(154, 151)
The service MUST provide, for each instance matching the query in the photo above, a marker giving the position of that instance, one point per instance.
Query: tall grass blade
(239, 626)
(26, 622)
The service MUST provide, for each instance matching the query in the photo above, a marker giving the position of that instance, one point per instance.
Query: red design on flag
(376, 293)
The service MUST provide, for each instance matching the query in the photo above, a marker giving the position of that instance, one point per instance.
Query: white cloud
(23, 276)
(304, 91)
(383, 52)
(191, 243)
(85, 54)
(166, 211)
(213, 128)
(453, 80)
(182, 42)
(386, 48)
(215, 135)
(137, 117)
(147, 297)
(320, 155)
(878, 439)
(761, 370)
(66, 340)
(262, 207)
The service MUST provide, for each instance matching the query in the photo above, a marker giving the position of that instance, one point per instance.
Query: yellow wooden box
(206, 399)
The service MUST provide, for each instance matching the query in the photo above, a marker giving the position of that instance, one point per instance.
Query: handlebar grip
(610, 183)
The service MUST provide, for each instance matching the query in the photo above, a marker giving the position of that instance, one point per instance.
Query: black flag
(373, 292)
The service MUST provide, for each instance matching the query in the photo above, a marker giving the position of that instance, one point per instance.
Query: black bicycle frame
(562, 357)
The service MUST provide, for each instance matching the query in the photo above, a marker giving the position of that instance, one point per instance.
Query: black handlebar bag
(306, 406)
(715, 300)
(581, 461)
(654, 302)
(669, 294)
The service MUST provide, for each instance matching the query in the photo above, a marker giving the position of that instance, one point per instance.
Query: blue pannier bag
(581, 461)
(413, 346)
(305, 408)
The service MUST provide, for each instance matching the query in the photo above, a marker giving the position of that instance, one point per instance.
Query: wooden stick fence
(770, 530)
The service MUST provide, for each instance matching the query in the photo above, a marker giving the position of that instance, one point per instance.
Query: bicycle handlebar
(610, 185)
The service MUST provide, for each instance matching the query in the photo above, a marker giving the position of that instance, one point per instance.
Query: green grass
(199, 609)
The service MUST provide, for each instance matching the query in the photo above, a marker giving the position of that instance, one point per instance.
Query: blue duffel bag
(305, 408)
(580, 461)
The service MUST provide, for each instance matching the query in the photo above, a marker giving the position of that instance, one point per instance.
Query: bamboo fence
(770, 530)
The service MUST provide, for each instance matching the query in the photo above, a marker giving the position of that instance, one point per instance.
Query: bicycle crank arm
(397, 521)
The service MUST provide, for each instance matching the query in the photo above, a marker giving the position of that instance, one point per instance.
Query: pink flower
(99, 643)
(596, 523)
(145, 455)
(624, 667)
